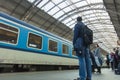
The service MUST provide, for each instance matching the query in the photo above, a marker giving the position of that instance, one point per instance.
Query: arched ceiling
(59, 17)
(93, 13)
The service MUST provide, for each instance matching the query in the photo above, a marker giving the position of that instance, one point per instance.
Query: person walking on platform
(85, 72)
(93, 61)
(98, 58)
(108, 60)
(112, 60)
(116, 58)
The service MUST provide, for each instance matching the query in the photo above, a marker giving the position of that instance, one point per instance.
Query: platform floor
(107, 74)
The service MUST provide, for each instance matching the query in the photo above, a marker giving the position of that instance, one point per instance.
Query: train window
(8, 34)
(65, 49)
(35, 41)
(53, 46)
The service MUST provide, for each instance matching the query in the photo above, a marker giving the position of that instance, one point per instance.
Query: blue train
(27, 45)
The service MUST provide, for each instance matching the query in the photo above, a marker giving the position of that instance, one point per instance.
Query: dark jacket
(78, 31)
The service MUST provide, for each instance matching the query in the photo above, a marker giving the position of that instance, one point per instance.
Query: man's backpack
(88, 36)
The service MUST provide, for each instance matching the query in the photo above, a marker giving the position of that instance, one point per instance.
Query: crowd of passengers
(113, 59)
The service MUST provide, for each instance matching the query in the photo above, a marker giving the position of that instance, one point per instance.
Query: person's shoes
(87, 79)
(77, 79)
(99, 72)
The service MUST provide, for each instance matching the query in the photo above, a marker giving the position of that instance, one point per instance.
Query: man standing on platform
(85, 71)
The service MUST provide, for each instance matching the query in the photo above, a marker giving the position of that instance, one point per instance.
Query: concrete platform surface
(107, 74)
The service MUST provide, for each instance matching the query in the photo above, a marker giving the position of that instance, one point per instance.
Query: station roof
(94, 15)
(59, 17)
(113, 8)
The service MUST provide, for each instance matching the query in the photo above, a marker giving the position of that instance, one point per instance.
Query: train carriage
(24, 45)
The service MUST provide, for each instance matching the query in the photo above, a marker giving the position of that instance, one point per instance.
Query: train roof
(31, 26)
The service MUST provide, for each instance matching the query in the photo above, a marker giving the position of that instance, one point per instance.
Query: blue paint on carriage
(23, 35)
(30, 26)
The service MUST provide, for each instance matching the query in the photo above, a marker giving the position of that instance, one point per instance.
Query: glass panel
(75, 1)
(53, 46)
(8, 34)
(72, 26)
(67, 20)
(67, 9)
(48, 6)
(42, 3)
(58, 14)
(65, 49)
(57, 1)
(70, 22)
(54, 10)
(83, 3)
(94, 1)
(62, 5)
(35, 41)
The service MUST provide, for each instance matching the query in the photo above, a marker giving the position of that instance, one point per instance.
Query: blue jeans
(85, 69)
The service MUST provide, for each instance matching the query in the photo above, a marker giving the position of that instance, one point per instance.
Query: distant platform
(107, 74)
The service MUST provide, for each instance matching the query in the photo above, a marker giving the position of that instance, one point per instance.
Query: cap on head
(79, 18)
